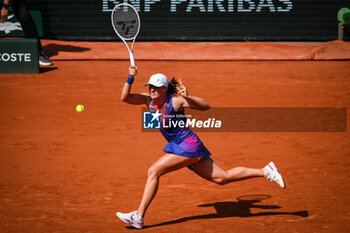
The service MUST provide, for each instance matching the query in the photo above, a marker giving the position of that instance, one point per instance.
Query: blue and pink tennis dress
(181, 140)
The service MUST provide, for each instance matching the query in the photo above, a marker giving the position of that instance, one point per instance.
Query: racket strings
(126, 22)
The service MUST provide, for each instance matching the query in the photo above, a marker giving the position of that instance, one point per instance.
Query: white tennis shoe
(272, 174)
(133, 218)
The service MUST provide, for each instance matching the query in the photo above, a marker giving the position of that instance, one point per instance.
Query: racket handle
(132, 59)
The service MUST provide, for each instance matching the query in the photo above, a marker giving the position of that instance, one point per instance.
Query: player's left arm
(189, 101)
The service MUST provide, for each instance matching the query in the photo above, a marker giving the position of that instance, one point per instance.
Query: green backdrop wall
(196, 20)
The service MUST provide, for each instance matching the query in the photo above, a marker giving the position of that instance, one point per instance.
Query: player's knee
(220, 180)
(154, 172)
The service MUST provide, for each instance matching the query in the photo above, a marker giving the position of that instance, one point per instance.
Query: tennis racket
(126, 23)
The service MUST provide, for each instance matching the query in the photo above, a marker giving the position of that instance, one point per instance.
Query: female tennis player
(184, 148)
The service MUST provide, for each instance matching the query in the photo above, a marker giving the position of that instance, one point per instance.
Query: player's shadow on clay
(54, 49)
(241, 208)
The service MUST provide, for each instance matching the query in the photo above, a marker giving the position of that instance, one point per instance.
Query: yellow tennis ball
(79, 108)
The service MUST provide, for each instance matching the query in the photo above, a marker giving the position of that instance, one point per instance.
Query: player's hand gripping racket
(126, 23)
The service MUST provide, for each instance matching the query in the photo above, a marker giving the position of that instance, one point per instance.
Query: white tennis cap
(158, 80)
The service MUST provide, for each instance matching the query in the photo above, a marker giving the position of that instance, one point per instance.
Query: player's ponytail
(172, 86)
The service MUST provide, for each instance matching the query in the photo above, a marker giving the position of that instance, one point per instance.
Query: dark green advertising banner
(19, 56)
(197, 20)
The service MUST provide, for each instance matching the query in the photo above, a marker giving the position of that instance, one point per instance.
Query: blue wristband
(129, 80)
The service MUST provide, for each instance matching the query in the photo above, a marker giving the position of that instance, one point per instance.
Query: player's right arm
(129, 98)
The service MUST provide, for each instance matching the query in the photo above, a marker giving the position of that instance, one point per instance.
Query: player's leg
(167, 163)
(209, 170)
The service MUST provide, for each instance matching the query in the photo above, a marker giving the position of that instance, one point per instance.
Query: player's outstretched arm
(189, 101)
(195, 103)
(129, 98)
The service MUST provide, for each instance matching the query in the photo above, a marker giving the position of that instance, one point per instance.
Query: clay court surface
(63, 171)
